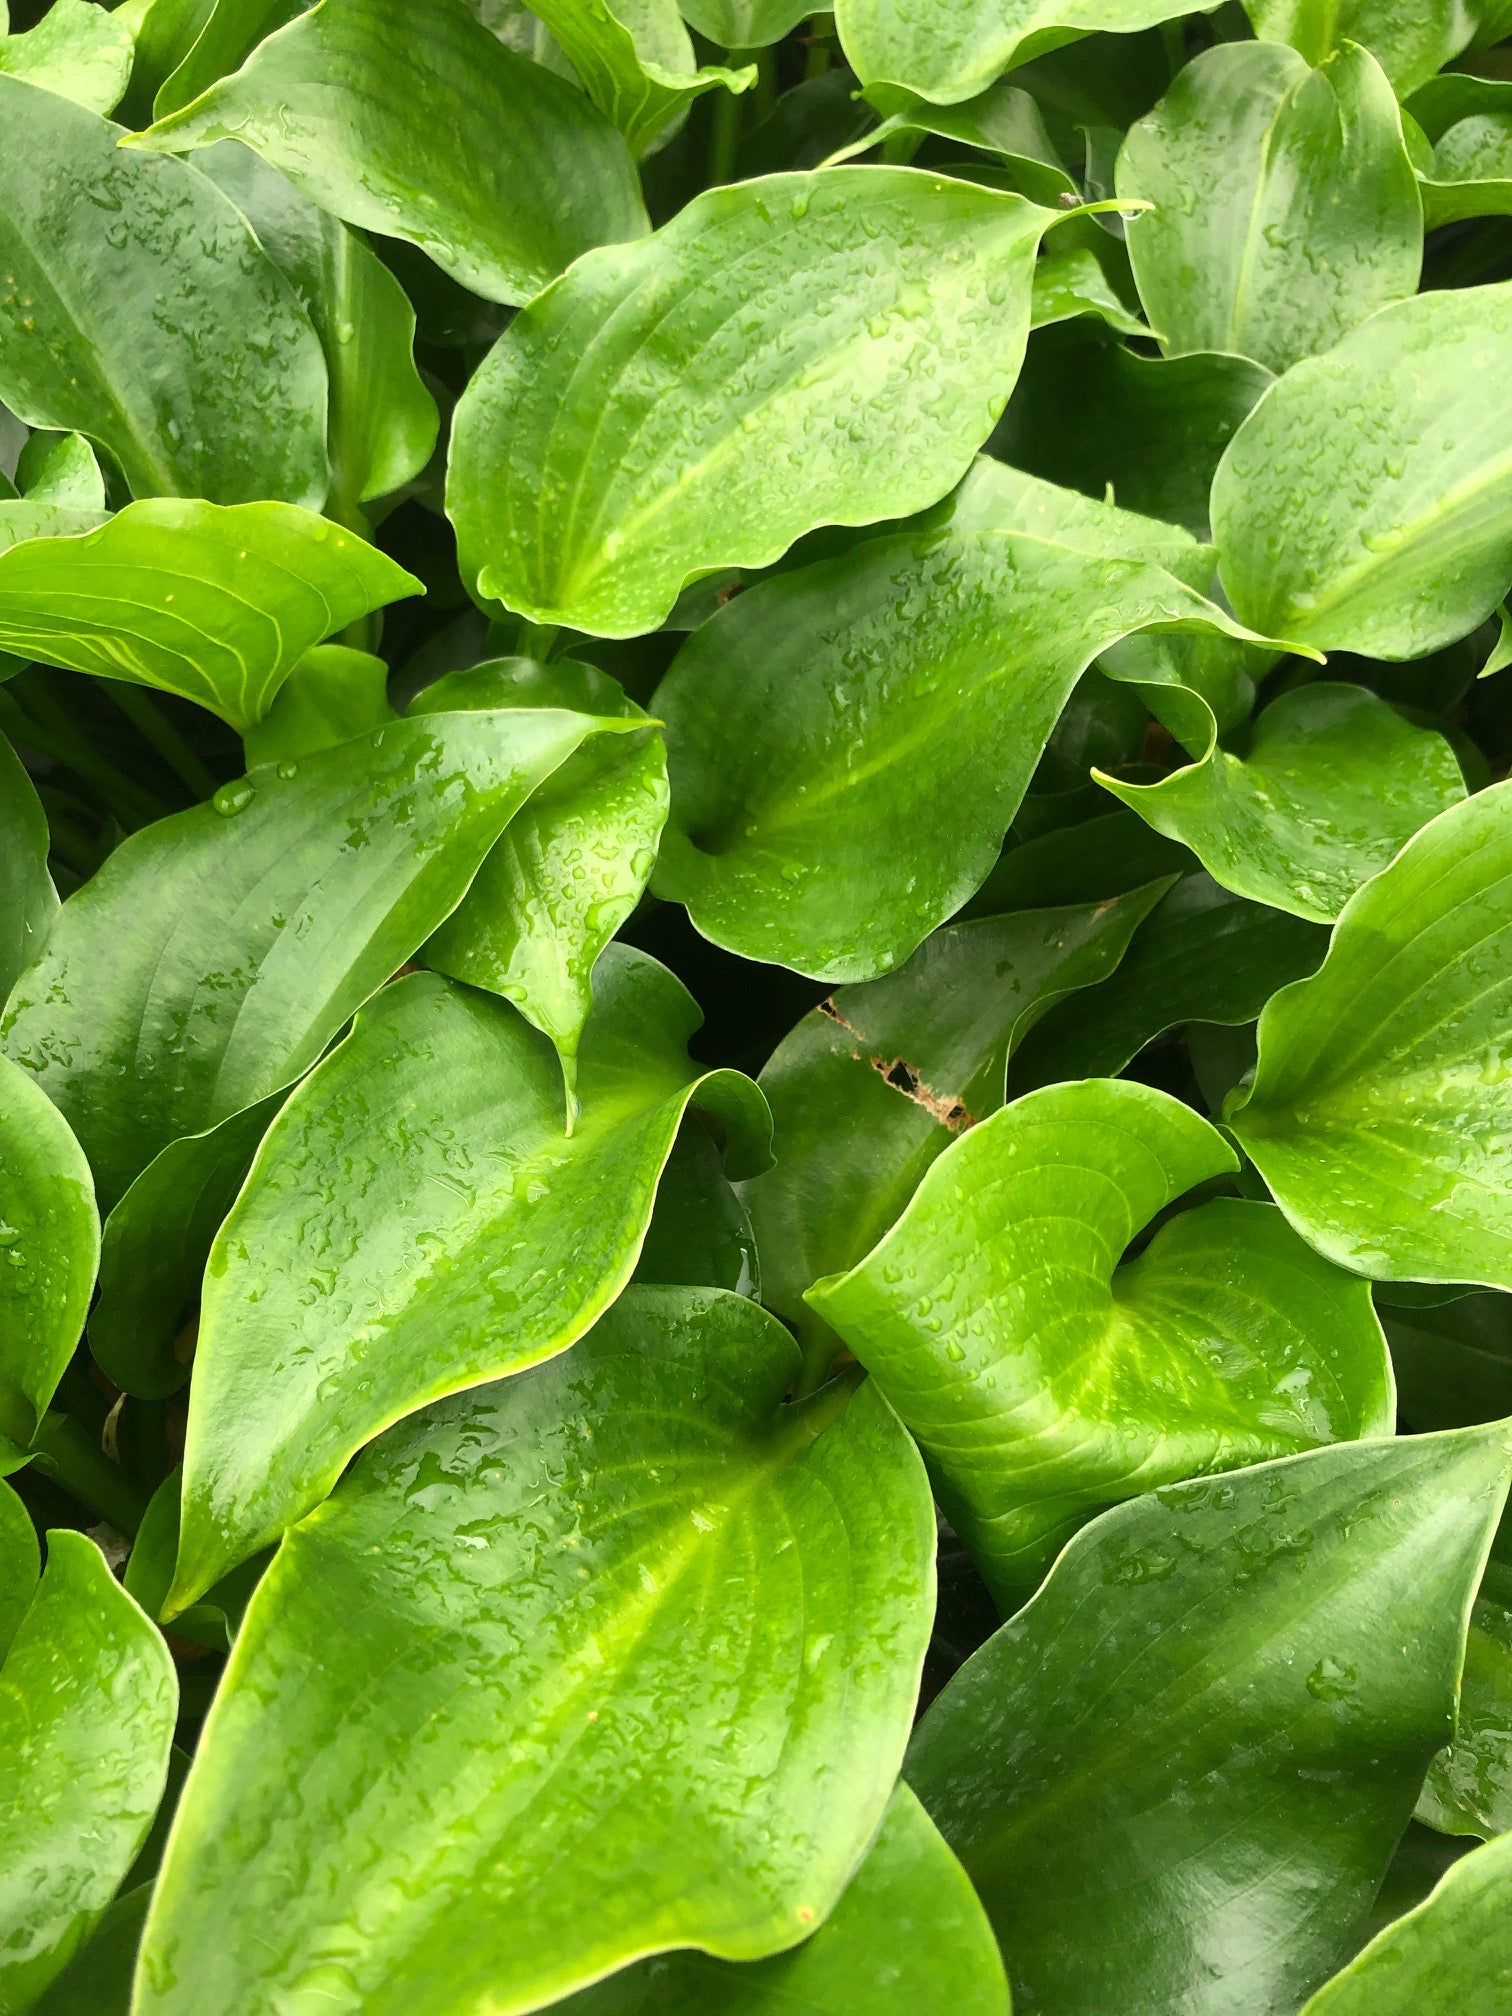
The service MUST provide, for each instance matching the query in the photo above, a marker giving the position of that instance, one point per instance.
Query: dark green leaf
(28, 900)
(1469, 1785)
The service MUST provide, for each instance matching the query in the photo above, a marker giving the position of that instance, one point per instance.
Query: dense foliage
(756, 1193)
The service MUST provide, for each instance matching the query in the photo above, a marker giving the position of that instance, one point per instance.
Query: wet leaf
(80, 51)
(28, 900)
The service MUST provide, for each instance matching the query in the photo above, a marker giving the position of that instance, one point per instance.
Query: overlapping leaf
(80, 51)
(1409, 38)
(28, 900)
(648, 1672)
(1468, 170)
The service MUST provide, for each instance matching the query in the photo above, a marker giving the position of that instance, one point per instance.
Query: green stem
(538, 640)
(765, 95)
(127, 800)
(153, 725)
(67, 1455)
(820, 1347)
(1173, 35)
(818, 59)
(724, 136)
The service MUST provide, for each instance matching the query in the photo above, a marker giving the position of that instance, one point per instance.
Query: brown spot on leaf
(902, 1077)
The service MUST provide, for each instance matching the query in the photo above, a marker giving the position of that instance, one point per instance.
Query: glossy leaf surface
(693, 1658)
(1286, 209)
(1469, 1786)
(1365, 504)
(107, 327)
(1203, 1737)
(217, 603)
(637, 65)
(1409, 38)
(795, 351)
(1377, 1110)
(1043, 1379)
(416, 1222)
(954, 654)
(1316, 799)
(425, 127)
(87, 1700)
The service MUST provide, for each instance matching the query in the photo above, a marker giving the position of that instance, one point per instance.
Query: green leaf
(1043, 1379)
(20, 1565)
(1319, 796)
(636, 65)
(109, 328)
(1144, 432)
(97, 1981)
(1410, 39)
(231, 30)
(1072, 283)
(1453, 1358)
(486, 1239)
(1083, 863)
(1468, 121)
(87, 1701)
(792, 352)
(569, 868)
(944, 658)
(62, 491)
(383, 422)
(1376, 1111)
(1366, 504)
(332, 694)
(214, 602)
(424, 126)
(648, 1673)
(995, 498)
(744, 24)
(1469, 1786)
(1202, 1739)
(49, 1246)
(77, 50)
(1452, 1956)
(873, 1085)
(700, 1232)
(28, 900)
(1286, 209)
(908, 1934)
(1005, 120)
(948, 50)
(1203, 956)
(216, 953)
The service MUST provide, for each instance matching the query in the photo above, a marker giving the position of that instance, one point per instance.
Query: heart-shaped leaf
(907, 1935)
(215, 955)
(797, 351)
(49, 1245)
(1286, 209)
(1320, 795)
(1376, 1114)
(650, 1696)
(28, 900)
(1452, 1956)
(569, 868)
(215, 602)
(424, 126)
(874, 1084)
(486, 1240)
(87, 1701)
(1366, 504)
(78, 50)
(1201, 1741)
(1043, 1379)
(109, 328)
(954, 653)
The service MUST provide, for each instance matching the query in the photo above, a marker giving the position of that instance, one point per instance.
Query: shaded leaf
(416, 1222)
(637, 65)
(1072, 283)
(1469, 1786)
(97, 1980)
(700, 1231)
(1005, 120)
(744, 24)
(1377, 1114)
(28, 900)
(650, 1699)
(109, 328)
(1202, 1739)
(78, 50)
(231, 30)
(424, 126)
(1468, 123)
(332, 694)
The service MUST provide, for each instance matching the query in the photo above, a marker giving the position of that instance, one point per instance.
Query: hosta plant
(756, 961)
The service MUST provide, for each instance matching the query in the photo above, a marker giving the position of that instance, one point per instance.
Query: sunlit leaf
(78, 50)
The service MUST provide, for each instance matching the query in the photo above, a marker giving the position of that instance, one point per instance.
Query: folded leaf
(1202, 1739)
(796, 351)
(1376, 1113)
(78, 50)
(231, 30)
(648, 1673)
(1469, 1786)
(217, 952)
(87, 1702)
(945, 658)
(638, 65)
(1366, 504)
(1005, 120)
(1320, 795)
(486, 1239)
(1452, 1956)
(1286, 209)
(873, 1085)
(1071, 283)
(1044, 1380)
(948, 50)
(569, 868)
(700, 1232)
(1468, 121)
(907, 1935)
(995, 498)
(332, 694)
(28, 900)
(214, 602)
(109, 327)
(49, 1245)
(61, 491)
(423, 126)
(1410, 39)
(1203, 956)
(383, 421)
